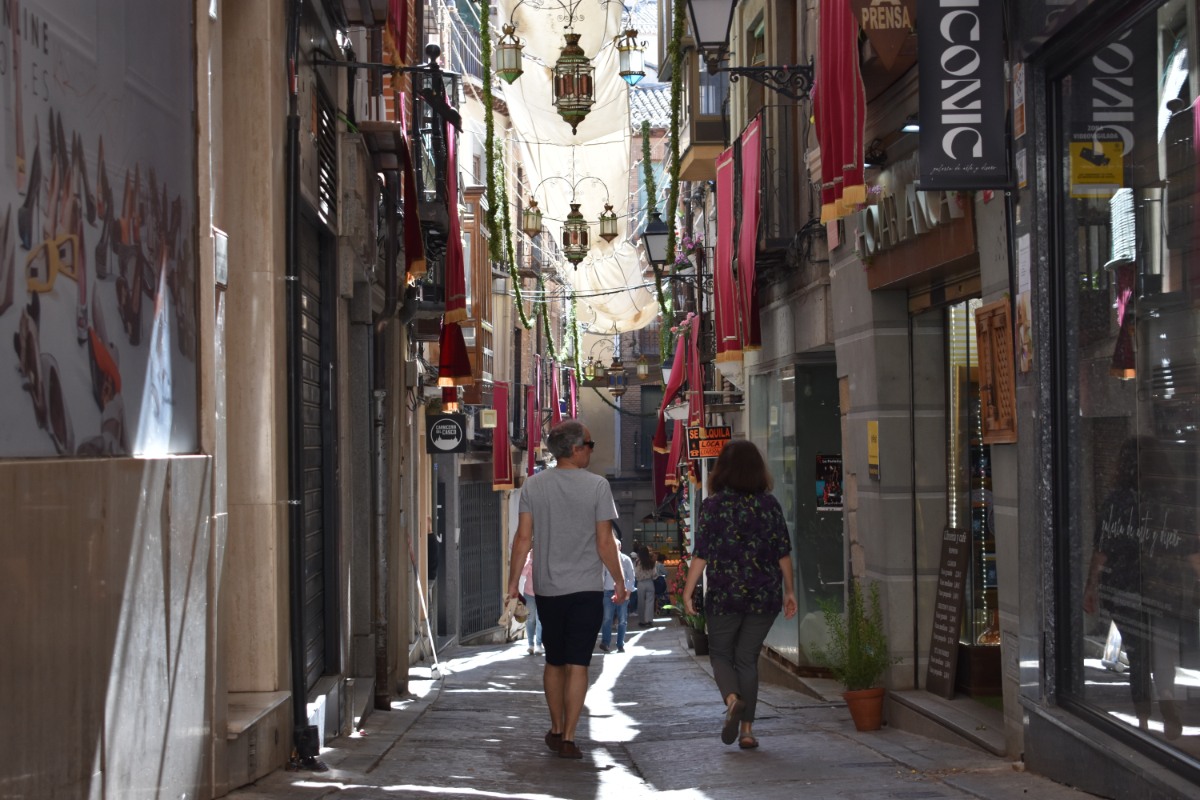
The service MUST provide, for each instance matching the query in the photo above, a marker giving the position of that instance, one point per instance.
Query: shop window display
(1132, 322)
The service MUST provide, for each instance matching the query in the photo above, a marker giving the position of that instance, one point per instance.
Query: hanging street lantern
(574, 83)
(589, 369)
(643, 368)
(618, 381)
(608, 223)
(631, 55)
(575, 236)
(654, 237)
(531, 219)
(508, 55)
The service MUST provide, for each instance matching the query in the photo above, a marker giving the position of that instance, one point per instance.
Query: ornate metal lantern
(508, 55)
(618, 381)
(631, 55)
(643, 368)
(574, 83)
(654, 236)
(589, 369)
(531, 219)
(608, 223)
(575, 236)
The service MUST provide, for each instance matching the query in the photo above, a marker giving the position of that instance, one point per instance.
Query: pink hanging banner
(695, 377)
(573, 396)
(678, 375)
(751, 155)
(555, 404)
(533, 429)
(502, 466)
(725, 302)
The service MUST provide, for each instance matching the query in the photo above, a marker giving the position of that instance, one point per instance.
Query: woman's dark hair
(644, 556)
(740, 468)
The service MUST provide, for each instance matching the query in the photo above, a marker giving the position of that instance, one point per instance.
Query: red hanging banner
(502, 466)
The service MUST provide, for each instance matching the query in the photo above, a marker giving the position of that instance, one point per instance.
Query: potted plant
(857, 653)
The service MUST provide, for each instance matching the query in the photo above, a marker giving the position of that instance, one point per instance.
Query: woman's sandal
(729, 731)
(748, 743)
(554, 741)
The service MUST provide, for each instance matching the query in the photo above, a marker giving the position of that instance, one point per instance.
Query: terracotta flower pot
(866, 708)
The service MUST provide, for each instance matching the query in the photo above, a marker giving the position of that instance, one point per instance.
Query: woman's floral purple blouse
(741, 537)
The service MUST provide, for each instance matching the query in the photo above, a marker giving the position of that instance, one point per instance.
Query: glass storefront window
(1129, 293)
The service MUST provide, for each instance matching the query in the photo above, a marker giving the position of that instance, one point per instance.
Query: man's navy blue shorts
(570, 623)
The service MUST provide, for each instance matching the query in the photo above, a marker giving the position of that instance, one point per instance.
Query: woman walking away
(644, 572)
(743, 540)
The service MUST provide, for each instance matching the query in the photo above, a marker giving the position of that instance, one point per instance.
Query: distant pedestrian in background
(613, 609)
(743, 541)
(643, 572)
(533, 625)
(566, 518)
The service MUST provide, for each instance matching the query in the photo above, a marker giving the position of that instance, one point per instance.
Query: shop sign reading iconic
(887, 24)
(1114, 93)
(963, 130)
(446, 433)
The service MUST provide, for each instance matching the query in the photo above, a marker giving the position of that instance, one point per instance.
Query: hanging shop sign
(1114, 111)
(829, 482)
(446, 433)
(887, 24)
(707, 442)
(962, 88)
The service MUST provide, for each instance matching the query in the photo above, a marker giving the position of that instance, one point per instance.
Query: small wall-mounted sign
(707, 442)
(446, 433)
(487, 418)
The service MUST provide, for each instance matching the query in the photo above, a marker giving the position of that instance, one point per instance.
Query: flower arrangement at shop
(697, 633)
(857, 653)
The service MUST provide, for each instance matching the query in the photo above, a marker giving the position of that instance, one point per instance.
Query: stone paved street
(651, 726)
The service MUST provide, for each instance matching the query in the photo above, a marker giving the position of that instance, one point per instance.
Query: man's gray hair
(564, 438)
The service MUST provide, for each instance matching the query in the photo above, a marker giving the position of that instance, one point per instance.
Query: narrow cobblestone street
(651, 726)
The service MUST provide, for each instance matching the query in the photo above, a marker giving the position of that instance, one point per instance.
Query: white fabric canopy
(590, 167)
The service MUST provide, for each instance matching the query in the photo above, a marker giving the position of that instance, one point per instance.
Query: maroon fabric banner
(673, 474)
(454, 365)
(695, 378)
(660, 473)
(678, 375)
(533, 429)
(395, 32)
(573, 401)
(751, 154)
(555, 410)
(725, 300)
(456, 276)
(414, 242)
(502, 466)
(839, 105)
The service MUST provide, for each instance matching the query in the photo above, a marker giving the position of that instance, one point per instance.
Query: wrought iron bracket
(792, 80)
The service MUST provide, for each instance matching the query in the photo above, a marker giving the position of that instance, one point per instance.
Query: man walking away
(566, 517)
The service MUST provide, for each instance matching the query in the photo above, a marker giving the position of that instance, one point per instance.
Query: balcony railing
(781, 176)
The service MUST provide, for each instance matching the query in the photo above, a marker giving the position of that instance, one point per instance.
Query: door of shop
(481, 557)
(316, 377)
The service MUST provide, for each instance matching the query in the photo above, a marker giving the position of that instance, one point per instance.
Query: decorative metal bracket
(792, 80)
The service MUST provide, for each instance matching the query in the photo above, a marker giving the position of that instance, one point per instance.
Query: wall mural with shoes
(97, 228)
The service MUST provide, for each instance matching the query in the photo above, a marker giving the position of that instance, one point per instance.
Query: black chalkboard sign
(947, 613)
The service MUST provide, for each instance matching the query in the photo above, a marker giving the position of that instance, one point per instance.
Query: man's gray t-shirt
(566, 504)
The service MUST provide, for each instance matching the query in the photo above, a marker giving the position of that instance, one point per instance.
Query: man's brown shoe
(553, 740)
(569, 750)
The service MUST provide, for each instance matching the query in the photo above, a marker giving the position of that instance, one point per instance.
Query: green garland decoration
(652, 201)
(573, 330)
(489, 126)
(676, 112)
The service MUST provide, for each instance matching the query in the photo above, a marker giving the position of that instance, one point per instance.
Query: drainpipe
(383, 697)
(304, 736)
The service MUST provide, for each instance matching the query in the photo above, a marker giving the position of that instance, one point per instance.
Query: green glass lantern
(575, 236)
(574, 83)
(508, 55)
(608, 223)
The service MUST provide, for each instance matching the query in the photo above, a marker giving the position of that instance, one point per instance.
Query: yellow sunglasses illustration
(51, 258)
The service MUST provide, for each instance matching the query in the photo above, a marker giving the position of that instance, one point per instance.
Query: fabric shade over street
(611, 293)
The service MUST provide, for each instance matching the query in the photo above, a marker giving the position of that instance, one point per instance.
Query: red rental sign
(707, 442)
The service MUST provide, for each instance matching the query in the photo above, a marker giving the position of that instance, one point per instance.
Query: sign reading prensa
(707, 442)
(445, 433)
